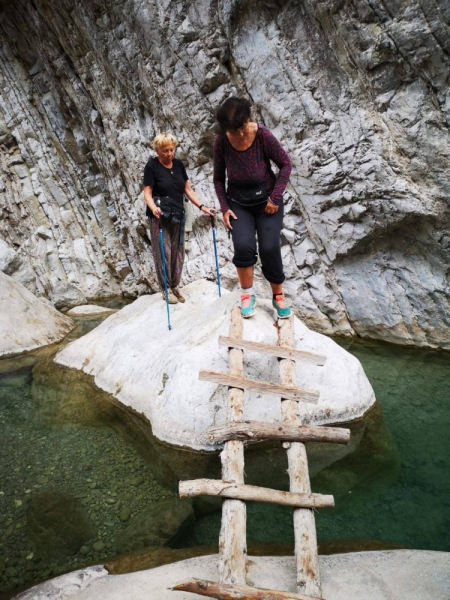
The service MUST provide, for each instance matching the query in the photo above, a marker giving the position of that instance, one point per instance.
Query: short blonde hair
(164, 139)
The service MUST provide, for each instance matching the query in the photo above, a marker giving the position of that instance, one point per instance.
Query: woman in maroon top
(252, 201)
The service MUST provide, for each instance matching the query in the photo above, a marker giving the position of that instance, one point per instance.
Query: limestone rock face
(133, 356)
(358, 93)
(26, 322)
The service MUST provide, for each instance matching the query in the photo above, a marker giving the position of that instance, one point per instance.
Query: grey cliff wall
(356, 90)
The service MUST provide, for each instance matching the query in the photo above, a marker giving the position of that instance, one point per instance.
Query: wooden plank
(236, 592)
(251, 493)
(306, 551)
(233, 532)
(257, 431)
(280, 352)
(273, 389)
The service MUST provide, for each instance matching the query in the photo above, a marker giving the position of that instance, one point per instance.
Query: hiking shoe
(176, 292)
(171, 297)
(248, 305)
(283, 311)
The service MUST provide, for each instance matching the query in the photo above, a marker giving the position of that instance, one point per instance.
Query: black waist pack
(172, 210)
(250, 195)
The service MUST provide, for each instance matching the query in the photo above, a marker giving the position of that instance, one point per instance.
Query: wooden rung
(274, 389)
(279, 351)
(226, 591)
(256, 431)
(216, 487)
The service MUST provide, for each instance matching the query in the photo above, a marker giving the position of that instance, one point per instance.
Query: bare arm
(196, 201)
(148, 197)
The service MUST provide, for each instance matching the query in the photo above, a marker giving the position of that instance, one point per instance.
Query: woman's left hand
(209, 211)
(271, 208)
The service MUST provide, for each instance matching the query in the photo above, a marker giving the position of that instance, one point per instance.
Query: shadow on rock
(157, 525)
(57, 525)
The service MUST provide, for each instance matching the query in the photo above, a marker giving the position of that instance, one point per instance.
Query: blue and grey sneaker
(248, 305)
(279, 304)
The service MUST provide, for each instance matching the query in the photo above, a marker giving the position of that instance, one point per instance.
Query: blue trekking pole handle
(215, 253)
(165, 275)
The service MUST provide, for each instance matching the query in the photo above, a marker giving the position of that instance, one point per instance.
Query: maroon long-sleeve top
(249, 167)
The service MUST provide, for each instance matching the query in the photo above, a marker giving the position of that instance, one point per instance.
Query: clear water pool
(395, 488)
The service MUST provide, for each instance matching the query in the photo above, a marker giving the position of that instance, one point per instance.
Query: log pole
(252, 493)
(236, 592)
(262, 387)
(257, 431)
(233, 532)
(309, 357)
(306, 551)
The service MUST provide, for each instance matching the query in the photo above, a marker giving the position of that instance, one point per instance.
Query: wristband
(201, 206)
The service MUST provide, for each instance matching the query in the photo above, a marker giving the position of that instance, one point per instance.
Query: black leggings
(251, 220)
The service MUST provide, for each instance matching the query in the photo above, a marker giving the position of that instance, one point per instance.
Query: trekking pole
(215, 252)
(165, 275)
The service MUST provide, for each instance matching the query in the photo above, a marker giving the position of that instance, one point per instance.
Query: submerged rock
(153, 371)
(57, 525)
(26, 322)
(99, 546)
(124, 513)
(156, 525)
(89, 311)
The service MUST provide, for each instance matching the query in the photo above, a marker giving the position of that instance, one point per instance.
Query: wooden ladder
(233, 542)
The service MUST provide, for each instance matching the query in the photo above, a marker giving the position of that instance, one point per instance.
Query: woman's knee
(244, 255)
(269, 249)
(244, 259)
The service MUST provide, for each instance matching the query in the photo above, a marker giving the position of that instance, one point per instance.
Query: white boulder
(388, 575)
(133, 356)
(26, 322)
(65, 294)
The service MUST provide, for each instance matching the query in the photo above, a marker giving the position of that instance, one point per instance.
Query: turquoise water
(399, 497)
(104, 474)
(413, 388)
(394, 488)
(87, 470)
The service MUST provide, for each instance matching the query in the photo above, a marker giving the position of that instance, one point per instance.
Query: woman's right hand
(227, 216)
(157, 212)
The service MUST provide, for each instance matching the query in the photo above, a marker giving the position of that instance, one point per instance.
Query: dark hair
(233, 113)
